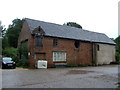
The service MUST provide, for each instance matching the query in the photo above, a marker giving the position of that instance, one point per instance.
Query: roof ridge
(63, 25)
(52, 23)
(44, 21)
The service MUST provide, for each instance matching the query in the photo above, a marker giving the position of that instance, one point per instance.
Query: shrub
(19, 64)
(11, 52)
(23, 56)
(25, 62)
(117, 57)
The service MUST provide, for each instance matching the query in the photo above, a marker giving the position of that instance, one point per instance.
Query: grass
(72, 65)
(118, 88)
(83, 65)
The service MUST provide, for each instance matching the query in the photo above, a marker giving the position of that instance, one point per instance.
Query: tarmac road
(79, 77)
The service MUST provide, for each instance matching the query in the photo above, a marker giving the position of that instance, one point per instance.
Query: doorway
(40, 56)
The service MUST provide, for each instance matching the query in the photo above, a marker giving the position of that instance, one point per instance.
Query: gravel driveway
(79, 77)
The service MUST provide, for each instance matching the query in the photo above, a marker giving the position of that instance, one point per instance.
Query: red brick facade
(81, 55)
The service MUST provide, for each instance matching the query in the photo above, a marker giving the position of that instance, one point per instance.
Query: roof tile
(64, 31)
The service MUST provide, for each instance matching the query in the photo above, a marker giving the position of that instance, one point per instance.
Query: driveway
(79, 77)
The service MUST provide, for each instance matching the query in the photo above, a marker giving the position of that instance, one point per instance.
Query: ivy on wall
(23, 54)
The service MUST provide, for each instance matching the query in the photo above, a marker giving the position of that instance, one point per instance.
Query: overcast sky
(94, 15)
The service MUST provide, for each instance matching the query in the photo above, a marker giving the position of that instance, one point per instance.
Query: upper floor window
(38, 41)
(55, 42)
(98, 48)
(77, 44)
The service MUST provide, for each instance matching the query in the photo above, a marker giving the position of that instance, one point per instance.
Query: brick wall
(25, 34)
(83, 55)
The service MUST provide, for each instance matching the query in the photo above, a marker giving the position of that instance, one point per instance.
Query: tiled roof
(64, 31)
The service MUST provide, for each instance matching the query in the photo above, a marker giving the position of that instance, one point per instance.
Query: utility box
(41, 64)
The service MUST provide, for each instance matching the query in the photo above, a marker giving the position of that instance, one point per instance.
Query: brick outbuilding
(61, 44)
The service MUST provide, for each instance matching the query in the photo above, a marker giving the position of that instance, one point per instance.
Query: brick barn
(61, 44)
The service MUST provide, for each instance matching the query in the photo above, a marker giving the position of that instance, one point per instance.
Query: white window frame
(59, 56)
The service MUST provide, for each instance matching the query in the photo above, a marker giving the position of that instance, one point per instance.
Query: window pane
(38, 42)
(59, 56)
(55, 42)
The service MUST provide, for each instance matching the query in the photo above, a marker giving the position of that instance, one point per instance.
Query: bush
(11, 52)
(19, 64)
(23, 56)
(25, 62)
(118, 88)
(117, 57)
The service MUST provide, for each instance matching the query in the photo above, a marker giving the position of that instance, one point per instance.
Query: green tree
(2, 30)
(117, 41)
(3, 38)
(5, 43)
(10, 38)
(73, 24)
(1, 27)
(11, 52)
(13, 32)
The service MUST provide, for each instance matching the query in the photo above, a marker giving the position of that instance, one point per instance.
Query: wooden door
(40, 56)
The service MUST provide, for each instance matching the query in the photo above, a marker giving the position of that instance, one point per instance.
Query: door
(40, 56)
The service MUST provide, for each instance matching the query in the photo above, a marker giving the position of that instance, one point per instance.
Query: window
(59, 56)
(38, 41)
(77, 44)
(98, 47)
(55, 42)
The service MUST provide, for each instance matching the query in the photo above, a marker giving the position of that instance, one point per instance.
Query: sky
(93, 15)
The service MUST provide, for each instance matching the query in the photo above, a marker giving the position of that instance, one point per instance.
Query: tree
(0, 39)
(3, 39)
(73, 24)
(2, 30)
(11, 52)
(13, 32)
(10, 39)
(117, 41)
(5, 43)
